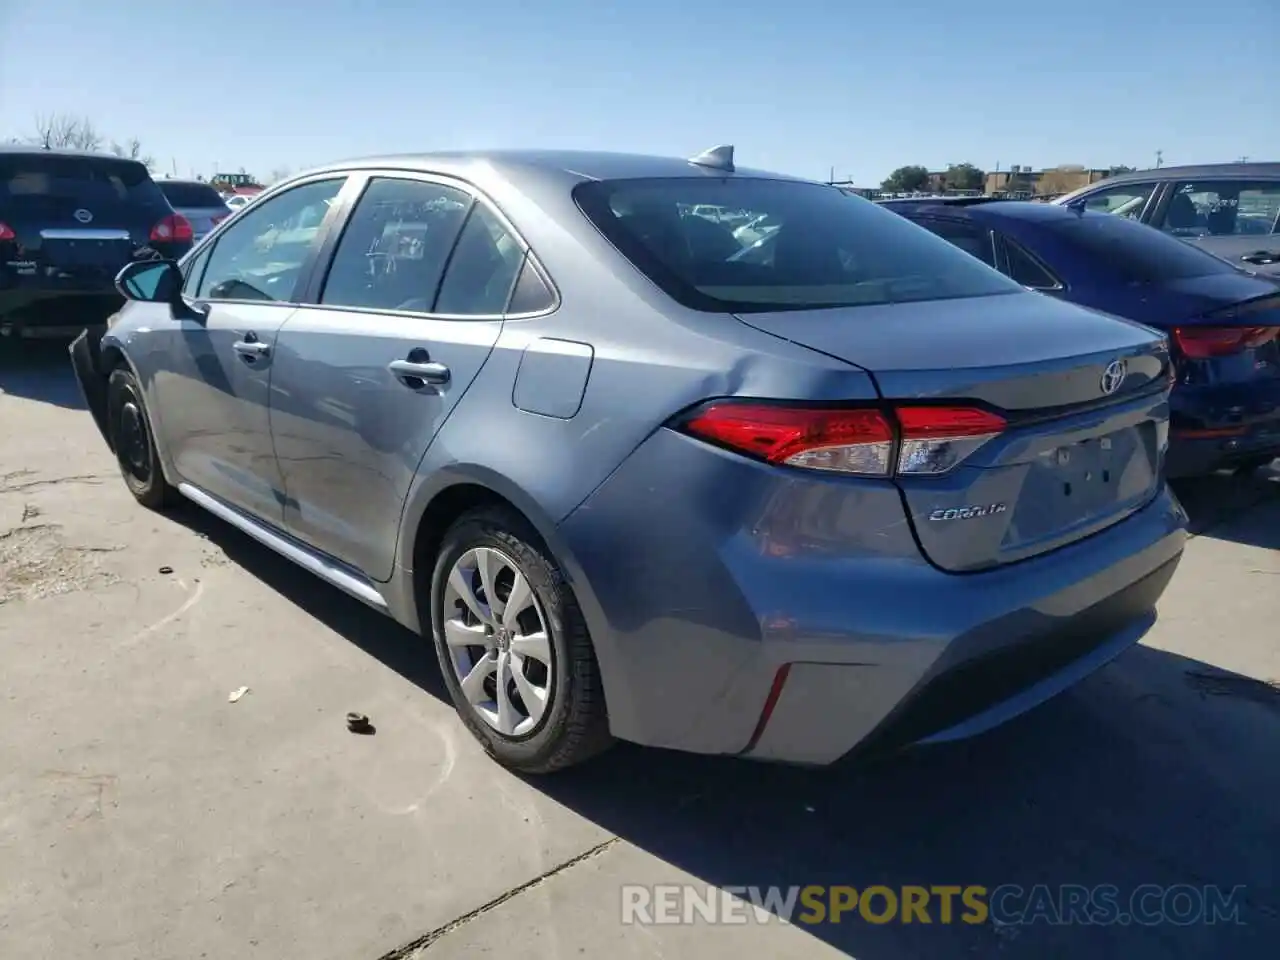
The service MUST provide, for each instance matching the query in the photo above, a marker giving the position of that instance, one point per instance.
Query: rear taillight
(173, 228)
(935, 439)
(6, 232)
(865, 441)
(1203, 343)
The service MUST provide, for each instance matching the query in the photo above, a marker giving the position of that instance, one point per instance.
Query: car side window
(261, 254)
(193, 270)
(1128, 200)
(1026, 269)
(396, 245)
(531, 293)
(482, 269)
(972, 239)
(1223, 208)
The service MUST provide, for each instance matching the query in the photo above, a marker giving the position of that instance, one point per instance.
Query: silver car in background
(198, 202)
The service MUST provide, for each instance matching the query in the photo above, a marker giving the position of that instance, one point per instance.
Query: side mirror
(150, 281)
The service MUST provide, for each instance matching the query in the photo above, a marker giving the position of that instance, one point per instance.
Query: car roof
(186, 183)
(34, 150)
(1206, 170)
(572, 166)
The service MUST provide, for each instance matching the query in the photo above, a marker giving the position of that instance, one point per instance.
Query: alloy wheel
(498, 642)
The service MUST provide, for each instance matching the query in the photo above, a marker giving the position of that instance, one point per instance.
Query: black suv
(68, 223)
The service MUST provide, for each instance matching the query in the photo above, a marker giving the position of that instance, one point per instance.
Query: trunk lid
(1235, 339)
(1085, 396)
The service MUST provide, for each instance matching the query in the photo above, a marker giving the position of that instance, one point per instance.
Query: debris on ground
(359, 723)
(166, 570)
(236, 694)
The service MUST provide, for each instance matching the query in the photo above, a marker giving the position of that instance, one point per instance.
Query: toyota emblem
(1113, 376)
(84, 216)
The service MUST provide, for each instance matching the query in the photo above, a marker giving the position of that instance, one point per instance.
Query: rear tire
(134, 444)
(540, 649)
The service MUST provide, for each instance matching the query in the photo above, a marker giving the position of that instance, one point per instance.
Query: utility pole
(1159, 159)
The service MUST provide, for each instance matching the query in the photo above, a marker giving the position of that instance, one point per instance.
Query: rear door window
(1027, 269)
(482, 269)
(826, 249)
(1134, 252)
(1222, 208)
(969, 237)
(396, 245)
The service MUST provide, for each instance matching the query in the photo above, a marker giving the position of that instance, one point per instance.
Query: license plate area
(1095, 474)
(80, 254)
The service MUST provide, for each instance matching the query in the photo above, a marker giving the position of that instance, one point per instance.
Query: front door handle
(418, 373)
(251, 347)
(1262, 258)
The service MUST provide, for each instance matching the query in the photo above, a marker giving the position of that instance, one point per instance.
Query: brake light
(1203, 343)
(173, 228)
(864, 441)
(6, 232)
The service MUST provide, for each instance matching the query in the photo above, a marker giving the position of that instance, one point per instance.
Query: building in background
(1023, 183)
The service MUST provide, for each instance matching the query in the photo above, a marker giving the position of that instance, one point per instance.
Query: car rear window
(191, 194)
(828, 249)
(1135, 252)
(31, 179)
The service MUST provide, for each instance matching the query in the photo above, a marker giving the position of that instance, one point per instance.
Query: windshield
(191, 195)
(823, 249)
(1135, 252)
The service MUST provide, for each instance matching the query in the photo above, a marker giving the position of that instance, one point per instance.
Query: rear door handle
(417, 373)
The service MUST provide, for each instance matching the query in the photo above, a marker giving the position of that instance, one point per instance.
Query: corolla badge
(969, 512)
(84, 216)
(1113, 376)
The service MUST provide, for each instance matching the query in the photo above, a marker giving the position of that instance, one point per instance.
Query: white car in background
(236, 201)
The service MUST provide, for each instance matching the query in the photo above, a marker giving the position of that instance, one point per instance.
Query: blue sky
(799, 86)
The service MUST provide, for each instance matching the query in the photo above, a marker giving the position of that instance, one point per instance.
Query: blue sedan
(1224, 323)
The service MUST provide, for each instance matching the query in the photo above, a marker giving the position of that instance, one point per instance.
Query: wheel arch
(433, 506)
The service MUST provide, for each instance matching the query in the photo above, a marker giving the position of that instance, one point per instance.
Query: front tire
(513, 646)
(134, 444)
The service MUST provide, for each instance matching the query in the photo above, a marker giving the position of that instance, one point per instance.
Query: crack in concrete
(416, 948)
(6, 487)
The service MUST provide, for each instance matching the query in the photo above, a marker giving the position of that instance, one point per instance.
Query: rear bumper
(696, 602)
(1219, 427)
(85, 362)
(1197, 456)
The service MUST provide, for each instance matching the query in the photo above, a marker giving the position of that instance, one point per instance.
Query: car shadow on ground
(39, 370)
(1214, 500)
(1158, 771)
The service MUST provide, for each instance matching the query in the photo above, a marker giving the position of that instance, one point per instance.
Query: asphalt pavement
(145, 812)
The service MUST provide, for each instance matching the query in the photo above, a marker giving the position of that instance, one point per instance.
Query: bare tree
(276, 175)
(132, 150)
(60, 131)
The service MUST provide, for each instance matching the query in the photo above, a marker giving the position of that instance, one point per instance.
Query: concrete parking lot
(143, 814)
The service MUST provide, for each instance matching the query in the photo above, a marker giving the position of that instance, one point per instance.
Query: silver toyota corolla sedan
(849, 490)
